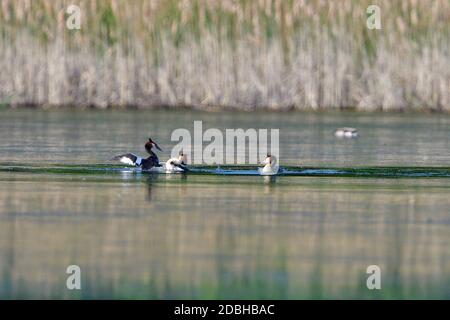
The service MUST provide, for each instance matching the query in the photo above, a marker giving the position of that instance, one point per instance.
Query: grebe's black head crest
(269, 155)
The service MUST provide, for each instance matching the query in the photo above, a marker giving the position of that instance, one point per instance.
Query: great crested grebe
(177, 164)
(346, 133)
(146, 164)
(271, 166)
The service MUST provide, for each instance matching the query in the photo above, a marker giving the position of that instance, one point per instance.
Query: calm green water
(380, 199)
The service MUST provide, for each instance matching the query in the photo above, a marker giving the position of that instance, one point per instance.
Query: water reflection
(154, 180)
(175, 236)
(269, 182)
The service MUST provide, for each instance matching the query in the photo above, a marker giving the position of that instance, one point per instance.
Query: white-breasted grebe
(271, 166)
(177, 164)
(346, 133)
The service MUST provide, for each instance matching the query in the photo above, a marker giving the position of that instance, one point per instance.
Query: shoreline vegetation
(226, 55)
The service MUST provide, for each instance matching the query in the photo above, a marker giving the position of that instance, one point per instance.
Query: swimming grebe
(177, 164)
(346, 133)
(271, 166)
(146, 164)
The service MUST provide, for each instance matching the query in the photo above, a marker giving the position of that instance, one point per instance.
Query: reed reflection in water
(175, 236)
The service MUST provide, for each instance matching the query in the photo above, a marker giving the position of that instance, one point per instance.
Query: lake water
(381, 199)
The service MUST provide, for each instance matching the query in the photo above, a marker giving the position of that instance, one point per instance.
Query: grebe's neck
(271, 161)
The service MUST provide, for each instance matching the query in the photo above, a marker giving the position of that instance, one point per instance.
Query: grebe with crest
(177, 164)
(271, 166)
(134, 160)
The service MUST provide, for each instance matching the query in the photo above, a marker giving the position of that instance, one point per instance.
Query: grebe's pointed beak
(156, 146)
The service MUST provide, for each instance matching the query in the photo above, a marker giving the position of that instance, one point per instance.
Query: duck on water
(179, 164)
(271, 166)
(346, 132)
(152, 162)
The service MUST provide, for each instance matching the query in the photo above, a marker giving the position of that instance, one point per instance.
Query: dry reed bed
(205, 54)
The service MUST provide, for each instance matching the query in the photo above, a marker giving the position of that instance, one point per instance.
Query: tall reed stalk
(244, 54)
